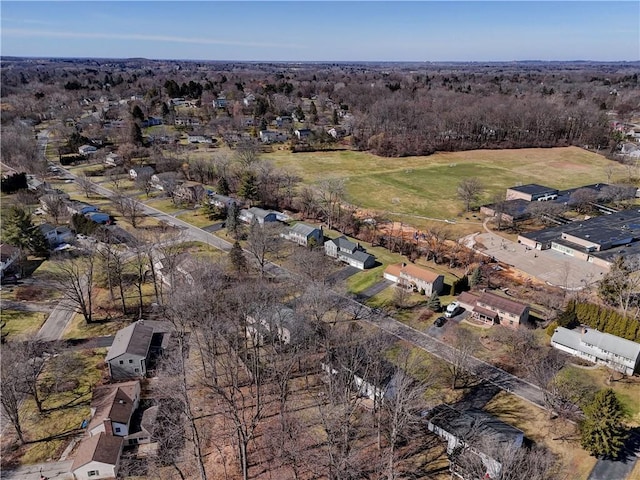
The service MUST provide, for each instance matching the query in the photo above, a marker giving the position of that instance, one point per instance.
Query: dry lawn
(559, 436)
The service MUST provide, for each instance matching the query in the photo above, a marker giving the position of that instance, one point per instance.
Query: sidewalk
(51, 470)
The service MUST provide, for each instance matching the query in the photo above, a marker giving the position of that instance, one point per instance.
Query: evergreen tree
(137, 113)
(313, 110)
(19, 231)
(248, 186)
(335, 117)
(223, 186)
(602, 432)
(237, 258)
(136, 134)
(475, 278)
(233, 222)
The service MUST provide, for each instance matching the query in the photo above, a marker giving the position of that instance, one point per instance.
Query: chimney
(404, 264)
(108, 428)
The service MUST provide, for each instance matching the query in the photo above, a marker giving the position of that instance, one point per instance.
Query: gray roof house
(302, 234)
(476, 432)
(278, 322)
(127, 357)
(56, 235)
(261, 215)
(616, 353)
(349, 252)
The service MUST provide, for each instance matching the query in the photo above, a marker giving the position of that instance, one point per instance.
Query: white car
(452, 310)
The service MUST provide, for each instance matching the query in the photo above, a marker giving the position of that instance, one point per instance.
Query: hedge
(605, 320)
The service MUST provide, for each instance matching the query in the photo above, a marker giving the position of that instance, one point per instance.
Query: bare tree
(130, 208)
(262, 241)
(74, 277)
(469, 190)
(458, 365)
(86, 186)
(11, 387)
(143, 181)
(582, 200)
(331, 194)
(54, 205)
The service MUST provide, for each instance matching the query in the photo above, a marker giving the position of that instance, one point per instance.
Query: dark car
(440, 321)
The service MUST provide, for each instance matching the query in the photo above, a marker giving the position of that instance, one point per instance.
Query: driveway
(214, 228)
(619, 469)
(342, 274)
(375, 289)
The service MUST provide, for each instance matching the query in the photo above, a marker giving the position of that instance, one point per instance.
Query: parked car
(440, 321)
(452, 310)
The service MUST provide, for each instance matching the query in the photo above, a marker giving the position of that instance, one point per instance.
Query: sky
(324, 31)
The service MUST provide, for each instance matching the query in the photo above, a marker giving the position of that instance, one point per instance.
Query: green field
(426, 186)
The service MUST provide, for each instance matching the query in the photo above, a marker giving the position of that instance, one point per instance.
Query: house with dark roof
(302, 234)
(9, 255)
(475, 432)
(349, 252)
(97, 457)
(112, 408)
(414, 277)
(491, 308)
(128, 355)
(616, 353)
(144, 431)
(532, 192)
(141, 170)
(277, 322)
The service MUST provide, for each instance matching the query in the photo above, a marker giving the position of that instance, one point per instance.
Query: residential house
(284, 121)
(80, 207)
(144, 432)
(303, 234)
(51, 198)
(9, 256)
(162, 181)
(178, 270)
(199, 139)
(261, 215)
(337, 132)
(616, 353)
(113, 159)
(222, 201)
(474, 432)
(491, 308)
(220, 102)
(151, 122)
(99, 217)
(372, 380)
(112, 408)
(56, 235)
(129, 353)
(177, 101)
(249, 100)
(87, 150)
(140, 171)
(349, 252)
(189, 192)
(97, 457)
(187, 122)
(303, 133)
(415, 278)
(277, 322)
(272, 136)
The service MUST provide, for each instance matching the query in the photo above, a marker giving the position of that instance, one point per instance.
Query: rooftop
(134, 339)
(502, 303)
(533, 189)
(114, 402)
(100, 448)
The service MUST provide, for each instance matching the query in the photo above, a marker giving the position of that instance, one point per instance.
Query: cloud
(22, 32)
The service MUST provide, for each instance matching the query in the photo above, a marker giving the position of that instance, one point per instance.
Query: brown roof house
(491, 308)
(415, 278)
(112, 408)
(98, 456)
(128, 355)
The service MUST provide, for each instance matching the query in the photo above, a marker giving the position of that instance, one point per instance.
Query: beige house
(414, 277)
(97, 457)
(491, 308)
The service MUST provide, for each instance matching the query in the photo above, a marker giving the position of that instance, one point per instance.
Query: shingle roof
(134, 339)
(359, 255)
(532, 188)
(114, 402)
(100, 448)
(344, 243)
(611, 343)
(303, 229)
(502, 303)
(413, 271)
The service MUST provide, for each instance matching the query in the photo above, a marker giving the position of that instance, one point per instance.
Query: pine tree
(433, 303)
(248, 187)
(237, 258)
(19, 231)
(602, 432)
(233, 222)
(475, 278)
(223, 186)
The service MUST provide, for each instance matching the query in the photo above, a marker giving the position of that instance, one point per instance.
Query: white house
(97, 457)
(616, 353)
(87, 150)
(128, 354)
(56, 235)
(8, 256)
(112, 408)
(262, 216)
(113, 159)
(272, 136)
(278, 322)
(199, 139)
(138, 171)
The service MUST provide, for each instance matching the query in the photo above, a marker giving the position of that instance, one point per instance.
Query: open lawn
(18, 324)
(426, 186)
(627, 389)
(78, 328)
(196, 218)
(70, 377)
(557, 435)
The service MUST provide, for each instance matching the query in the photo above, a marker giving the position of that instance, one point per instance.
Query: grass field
(21, 324)
(426, 186)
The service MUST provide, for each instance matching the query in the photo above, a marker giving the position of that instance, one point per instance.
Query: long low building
(598, 240)
(616, 353)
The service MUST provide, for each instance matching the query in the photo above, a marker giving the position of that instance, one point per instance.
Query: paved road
(619, 469)
(59, 318)
(51, 470)
(491, 374)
